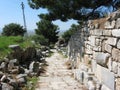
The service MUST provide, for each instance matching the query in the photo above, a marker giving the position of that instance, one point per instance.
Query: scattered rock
(6, 86)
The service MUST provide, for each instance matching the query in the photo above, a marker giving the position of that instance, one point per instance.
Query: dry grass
(68, 64)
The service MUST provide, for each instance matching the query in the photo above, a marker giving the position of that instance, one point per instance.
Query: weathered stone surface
(109, 64)
(119, 69)
(103, 45)
(116, 32)
(12, 64)
(116, 54)
(118, 84)
(96, 26)
(92, 40)
(97, 48)
(108, 48)
(101, 58)
(113, 23)
(117, 23)
(112, 41)
(3, 65)
(107, 32)
(31, 66)
(104, 87)
(118, 44)
(115, 67)
(98, 42)
(91, 85)
(107, 25)
(98, 32)
(91, 32)
(106, 77)
(94, 65)
(14, 71)
(14, 47)
(88, 49)
(6, 86)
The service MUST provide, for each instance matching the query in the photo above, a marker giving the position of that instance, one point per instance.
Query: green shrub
(40, 39)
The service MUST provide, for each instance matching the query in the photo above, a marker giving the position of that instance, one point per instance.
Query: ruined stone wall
(95, 49)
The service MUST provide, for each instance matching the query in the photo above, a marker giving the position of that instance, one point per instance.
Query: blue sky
(11, 12)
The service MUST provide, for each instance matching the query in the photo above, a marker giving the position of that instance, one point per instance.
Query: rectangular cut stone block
(115, 67)
(92, 40)
(119, 69)
(107, 32)
(106, 77)
(116, 54)
(108, 25)
(94, 65)
(117, 25)
(116, 32)
(108, 48)
(103, 45)
(97, 32)
(118, 44)
(98, 42)
(97, 48)
(101, 58)
(118, 84)
(91, 32)
(113, 23)
(112, 41)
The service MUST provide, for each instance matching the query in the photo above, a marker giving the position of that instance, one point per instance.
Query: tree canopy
(13, 29)
(67, 34)
(48, 30)
(73, 9)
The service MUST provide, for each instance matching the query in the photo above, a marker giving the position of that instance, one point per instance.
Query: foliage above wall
(73, 9)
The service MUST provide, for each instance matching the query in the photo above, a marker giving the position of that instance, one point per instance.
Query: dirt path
(58, 77)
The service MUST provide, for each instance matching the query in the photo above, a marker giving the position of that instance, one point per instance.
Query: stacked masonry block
(99, 49)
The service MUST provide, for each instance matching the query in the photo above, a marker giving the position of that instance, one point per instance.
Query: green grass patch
(11, 40)
(31, 83)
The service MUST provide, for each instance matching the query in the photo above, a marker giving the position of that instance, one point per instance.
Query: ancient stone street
(58, 77)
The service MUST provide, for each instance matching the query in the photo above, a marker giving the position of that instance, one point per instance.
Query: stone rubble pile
(20, 64)
(96, 46)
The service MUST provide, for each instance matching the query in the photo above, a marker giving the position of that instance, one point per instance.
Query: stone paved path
(58, 77)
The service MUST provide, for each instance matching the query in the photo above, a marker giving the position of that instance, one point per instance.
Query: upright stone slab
(94, 65)
(105, 77)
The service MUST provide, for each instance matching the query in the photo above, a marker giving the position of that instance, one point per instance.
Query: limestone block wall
(97, 46)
